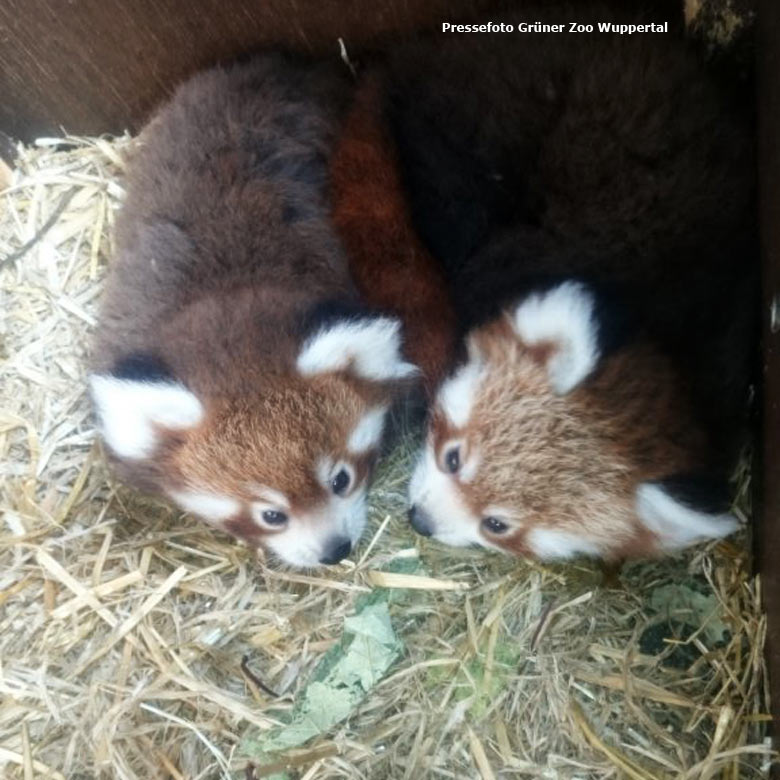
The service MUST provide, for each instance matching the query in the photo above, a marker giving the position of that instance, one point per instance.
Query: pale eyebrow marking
(457, 394)
(275, 497)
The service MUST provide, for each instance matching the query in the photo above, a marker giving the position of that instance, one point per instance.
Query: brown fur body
(577, 458)
(613, 160)
(224, 238)
(391, 268)
(227, 262)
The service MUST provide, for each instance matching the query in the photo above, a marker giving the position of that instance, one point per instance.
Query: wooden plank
(768, 531)
(97, 66)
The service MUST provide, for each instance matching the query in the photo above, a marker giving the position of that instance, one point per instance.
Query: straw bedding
(123, 624)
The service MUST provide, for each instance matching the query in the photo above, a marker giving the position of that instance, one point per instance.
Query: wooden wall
(98, 66)
(768, 536)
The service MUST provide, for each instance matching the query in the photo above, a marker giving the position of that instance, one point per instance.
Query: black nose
(337, 549)
(421, 521)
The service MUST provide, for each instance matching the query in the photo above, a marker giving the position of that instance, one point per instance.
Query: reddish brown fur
(246, 430)
(618, 161)
(391, 268)
(205, 256)
(225, 248)
(570, 463)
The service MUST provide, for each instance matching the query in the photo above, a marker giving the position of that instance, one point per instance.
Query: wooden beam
(768, 528)
(100, 66)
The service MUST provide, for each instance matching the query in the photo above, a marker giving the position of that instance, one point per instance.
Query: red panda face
(287, 469)
(541, 445)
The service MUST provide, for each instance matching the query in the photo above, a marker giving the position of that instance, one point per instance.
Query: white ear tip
(674, 523)
(729, 525)
(99, 383)
(128, 411)
(565, 317)
(371, 347)
(724, 525)
(397, 367)
(407, 370)
(458, 393)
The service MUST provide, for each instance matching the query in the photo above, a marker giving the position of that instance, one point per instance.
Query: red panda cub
(591, 200)
(391, 268)
(235, 370)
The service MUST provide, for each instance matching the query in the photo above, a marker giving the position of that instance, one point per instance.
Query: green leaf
(689, 606)
(344, 676)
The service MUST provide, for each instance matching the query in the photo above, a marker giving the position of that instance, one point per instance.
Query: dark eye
(272, 517)
(340, 482)
(494, 526)
(452, 460)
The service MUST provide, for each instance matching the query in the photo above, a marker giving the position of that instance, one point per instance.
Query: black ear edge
(615, 318)
(142, 367)
(613, 309)
(707, 493)
(616, 325)
(336, 310)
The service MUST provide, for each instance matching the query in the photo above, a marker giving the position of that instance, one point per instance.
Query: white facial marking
(128, 411)
(306, 539)
(368, 432)
(294, 548)
(564, 316)
(325, 470)
(437, 495)
(210, 506)
(456, 395)
(371, 346)
(470, 467)
(676, 524)
(271, 497)
(354, 515)
(547, 544)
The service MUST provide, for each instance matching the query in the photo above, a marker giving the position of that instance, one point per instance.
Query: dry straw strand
(123, 624)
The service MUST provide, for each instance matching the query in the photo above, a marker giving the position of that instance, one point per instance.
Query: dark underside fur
(225, 242)
(611, 157)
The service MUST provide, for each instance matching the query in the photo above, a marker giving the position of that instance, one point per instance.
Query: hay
(136, 643)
